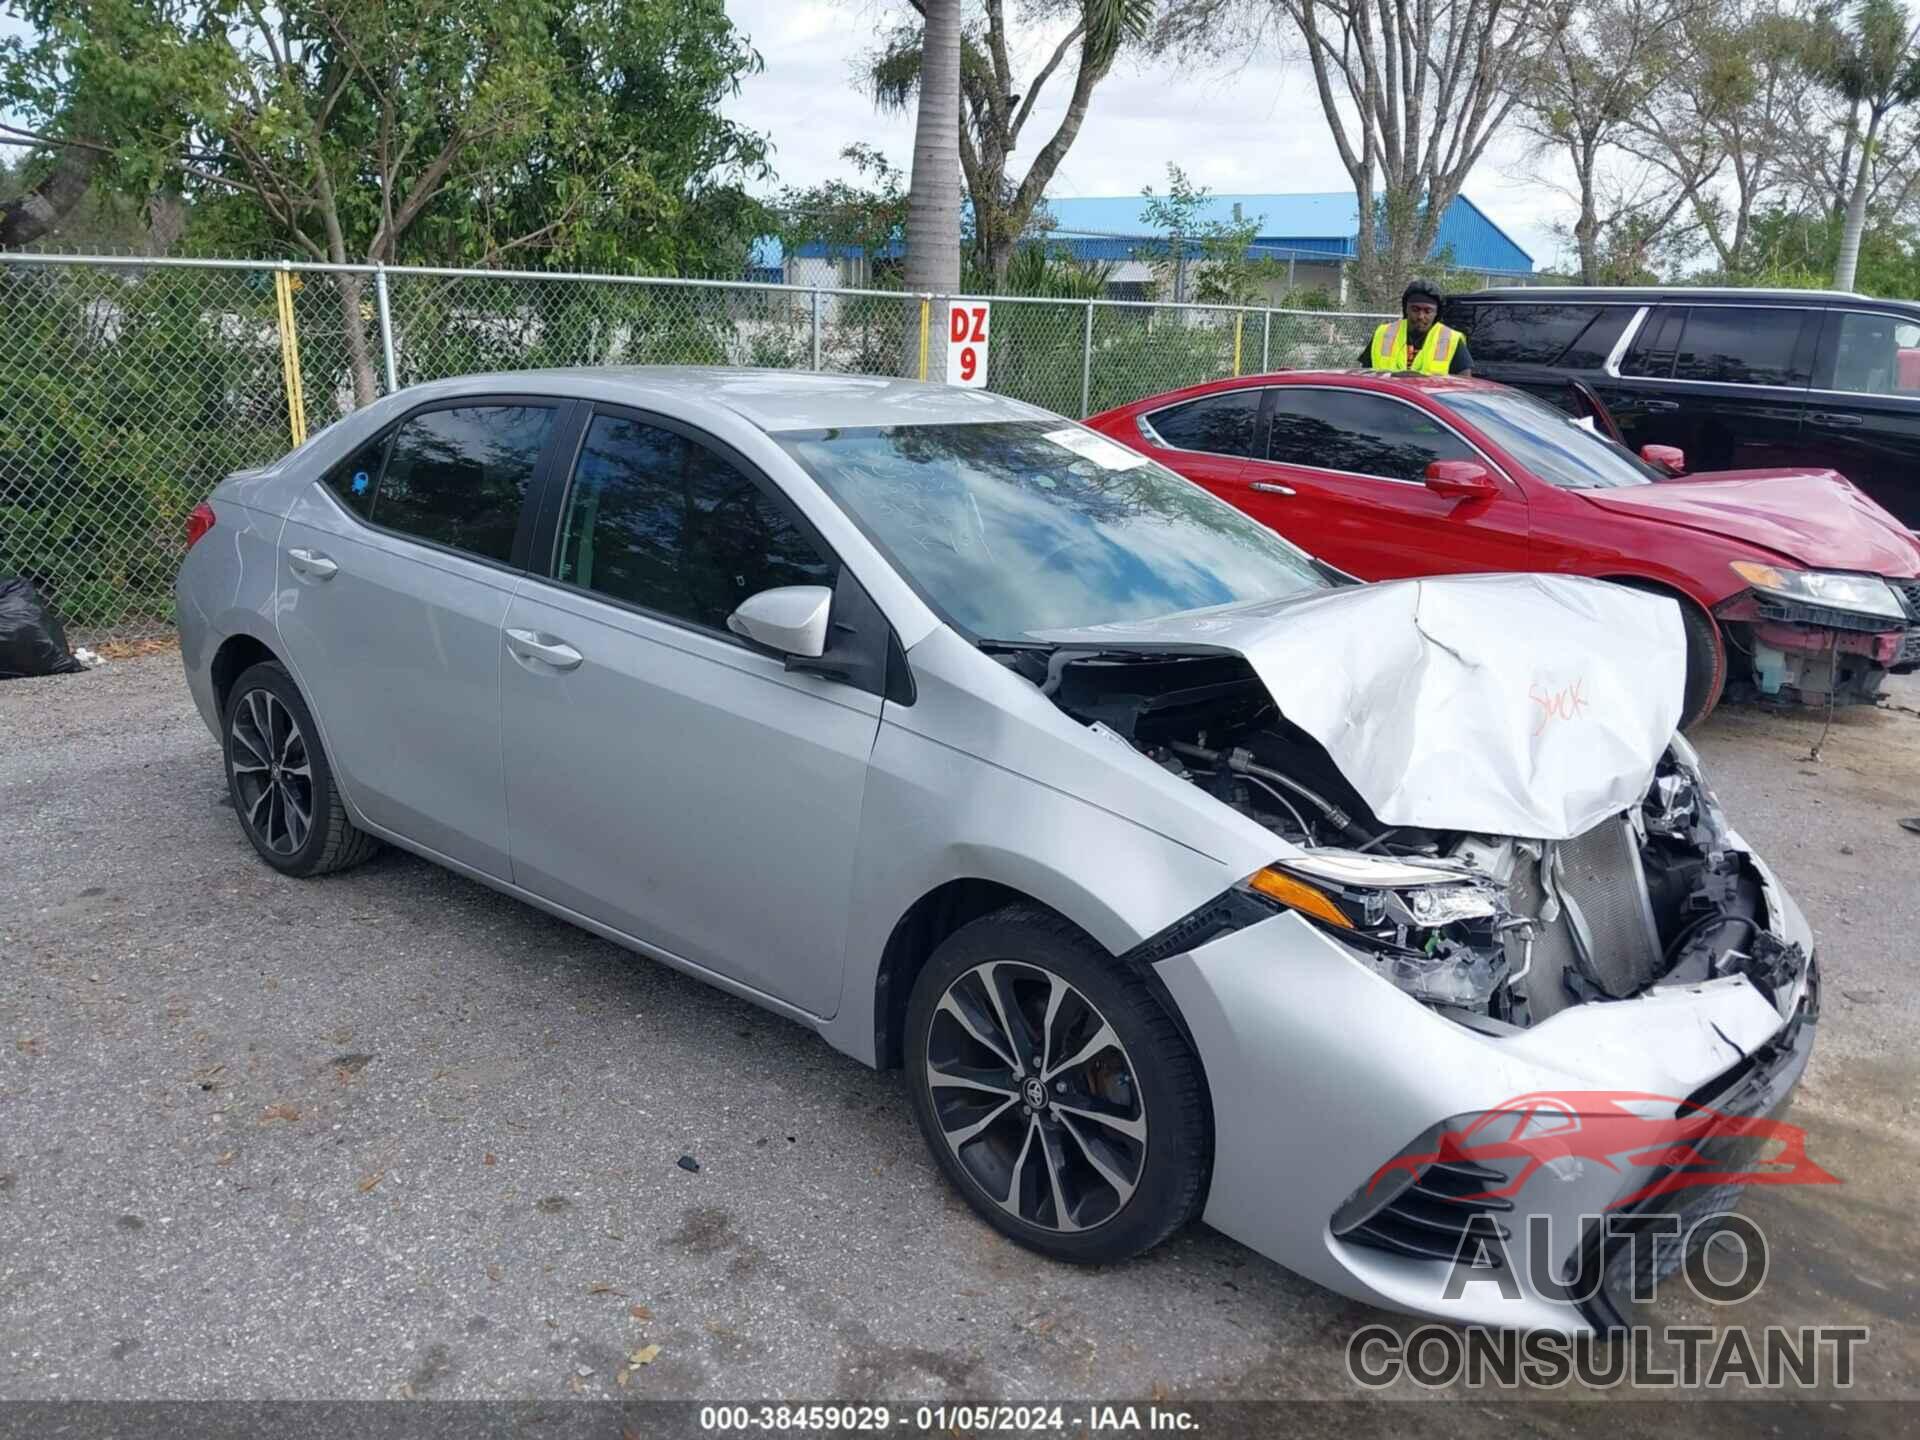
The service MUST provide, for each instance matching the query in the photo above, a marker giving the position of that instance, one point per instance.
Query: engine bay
(1497, 931)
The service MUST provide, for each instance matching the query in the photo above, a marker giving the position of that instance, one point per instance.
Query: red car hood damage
(1814, 518)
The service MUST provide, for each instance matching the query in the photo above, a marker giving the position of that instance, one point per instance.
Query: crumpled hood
(1527, 705)
(1812, 517)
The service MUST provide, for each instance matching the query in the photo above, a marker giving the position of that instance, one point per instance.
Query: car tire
(1706, 665)
(280, 780)
(1115, 1156)
(1706, 655)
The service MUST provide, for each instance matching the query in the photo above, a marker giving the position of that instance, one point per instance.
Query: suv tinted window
(1217, 424)
(1872, 354)
(1527, 334)
(1596, 342)
(353, 480)
(1651, 353)
(657, 521)
(1361, 434)
(1742, 345)
(458, 477)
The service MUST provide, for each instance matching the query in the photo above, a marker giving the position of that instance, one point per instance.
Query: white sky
(1253, 128)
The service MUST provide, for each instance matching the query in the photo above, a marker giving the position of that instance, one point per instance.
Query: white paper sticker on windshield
(1107, 454)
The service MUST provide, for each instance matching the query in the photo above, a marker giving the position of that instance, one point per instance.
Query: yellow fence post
(290, 357)
(926, 318)
(1239, 320)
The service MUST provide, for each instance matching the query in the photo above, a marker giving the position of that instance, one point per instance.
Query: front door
(664, 777)
(1725, 383)
(1865, 416)
(1342, 478)
(395, 572)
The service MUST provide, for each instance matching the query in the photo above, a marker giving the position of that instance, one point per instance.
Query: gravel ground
(390, 1134)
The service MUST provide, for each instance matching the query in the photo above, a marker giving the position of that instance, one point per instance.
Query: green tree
(1872, 64)
(382, 130)
(859, 218)
(1207, 260)
(997, 102)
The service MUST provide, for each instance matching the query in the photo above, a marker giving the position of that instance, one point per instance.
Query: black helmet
(1423, 289)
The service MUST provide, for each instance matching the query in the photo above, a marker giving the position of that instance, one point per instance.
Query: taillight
(198, 523)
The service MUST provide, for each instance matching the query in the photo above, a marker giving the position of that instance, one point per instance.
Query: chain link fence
(129, 387)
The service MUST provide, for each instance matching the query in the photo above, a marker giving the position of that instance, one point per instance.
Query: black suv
(1739, 379)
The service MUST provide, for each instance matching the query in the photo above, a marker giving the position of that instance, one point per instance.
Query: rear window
(1742, 345)
(1526, 334)
(1216, 424)
(1651, 354)
(459, 476)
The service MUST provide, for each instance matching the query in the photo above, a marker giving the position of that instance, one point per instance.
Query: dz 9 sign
(967, 344)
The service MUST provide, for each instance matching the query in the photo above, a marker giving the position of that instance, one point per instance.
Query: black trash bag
(32, 641)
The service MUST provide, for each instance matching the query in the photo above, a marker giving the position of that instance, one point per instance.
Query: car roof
(772, 400)
(1376, 380)
(1669, 294)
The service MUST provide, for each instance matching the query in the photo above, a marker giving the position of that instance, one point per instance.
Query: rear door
(663, 776)
(395, 574)
(1726, 383)
(1864, 419)
(1540, 347)
(1341, 475)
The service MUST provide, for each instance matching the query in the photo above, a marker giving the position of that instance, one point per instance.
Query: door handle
(311, 564)
(547, 649)
(1662, 405)
(1267, 488)
(1838, 418)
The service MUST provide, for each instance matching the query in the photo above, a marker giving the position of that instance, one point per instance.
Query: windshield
(1556, 447)
(1020, 526)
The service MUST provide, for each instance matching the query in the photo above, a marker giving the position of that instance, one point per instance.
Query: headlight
(1431, 930)
(1864, 594)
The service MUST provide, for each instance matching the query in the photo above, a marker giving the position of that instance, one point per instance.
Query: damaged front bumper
(1322, 1073)
(1816, 655)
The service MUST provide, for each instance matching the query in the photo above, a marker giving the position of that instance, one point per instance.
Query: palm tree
(933, 195)
(1871, 63)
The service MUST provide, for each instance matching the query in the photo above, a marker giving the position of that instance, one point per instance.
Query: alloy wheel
(272, 772)
(1036, 1097)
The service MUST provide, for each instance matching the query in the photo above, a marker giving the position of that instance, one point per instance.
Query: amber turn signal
(1298, 895)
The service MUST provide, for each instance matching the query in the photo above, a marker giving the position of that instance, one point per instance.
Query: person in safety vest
(1417, 341)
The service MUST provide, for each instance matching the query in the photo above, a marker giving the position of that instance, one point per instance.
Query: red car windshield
(1559, 449)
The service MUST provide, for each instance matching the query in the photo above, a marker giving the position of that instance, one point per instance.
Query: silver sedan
(1184, 876)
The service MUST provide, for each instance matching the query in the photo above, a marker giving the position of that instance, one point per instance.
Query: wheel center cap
(1035, 1092)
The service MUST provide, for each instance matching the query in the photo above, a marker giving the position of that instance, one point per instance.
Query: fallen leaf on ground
(603, 1290)
(278, 1112)
(371, 1181)
(621, 1378)
(493, 1273)
(1159, 1393)
(639, 1312)
(227, 1159)
(645, 1355)
(487, 1159)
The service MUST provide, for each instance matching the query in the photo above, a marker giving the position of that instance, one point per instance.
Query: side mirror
(1461, 480)
(1670, 458)
(791, 619)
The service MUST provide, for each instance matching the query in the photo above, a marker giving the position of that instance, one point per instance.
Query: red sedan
(1792, 583)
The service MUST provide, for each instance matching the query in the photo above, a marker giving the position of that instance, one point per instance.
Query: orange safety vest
(1435, 357)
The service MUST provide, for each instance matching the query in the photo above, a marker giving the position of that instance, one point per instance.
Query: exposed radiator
(1604, 891)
